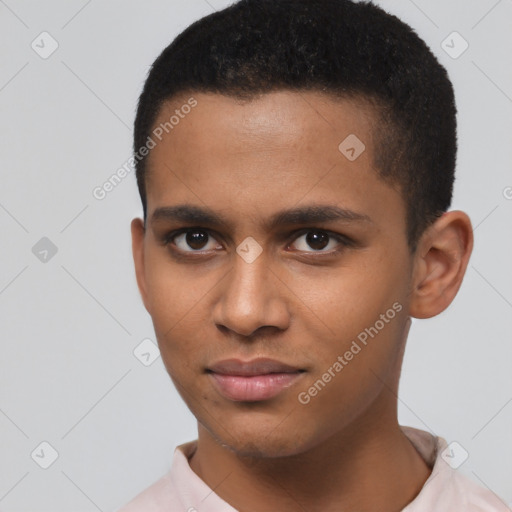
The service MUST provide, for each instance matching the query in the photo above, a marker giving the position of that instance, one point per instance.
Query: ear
(138, 232)
(440, 263)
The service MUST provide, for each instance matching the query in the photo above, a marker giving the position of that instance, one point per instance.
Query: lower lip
(254, 388)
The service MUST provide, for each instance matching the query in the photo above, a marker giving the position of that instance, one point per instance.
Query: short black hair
(343, 48)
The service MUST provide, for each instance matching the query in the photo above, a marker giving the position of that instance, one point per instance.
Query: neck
(370, 465)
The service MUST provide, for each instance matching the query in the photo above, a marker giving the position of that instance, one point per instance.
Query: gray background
(69, 325)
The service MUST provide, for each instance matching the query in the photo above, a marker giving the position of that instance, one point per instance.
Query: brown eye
(192, 240)
(312, 241)
(317, 240)
(196, 239)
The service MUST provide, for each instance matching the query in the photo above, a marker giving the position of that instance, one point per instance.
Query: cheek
(172, 289)
(176, 305)
(345, 301)
(358, 317)
(349, 378)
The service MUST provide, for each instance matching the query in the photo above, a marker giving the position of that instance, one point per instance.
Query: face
(284, 248)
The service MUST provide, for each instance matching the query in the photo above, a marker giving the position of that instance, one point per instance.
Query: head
(308, 147)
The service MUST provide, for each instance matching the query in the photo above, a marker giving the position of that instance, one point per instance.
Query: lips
(252, 381)
(255, 367)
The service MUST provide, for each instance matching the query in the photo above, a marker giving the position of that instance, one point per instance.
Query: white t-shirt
(446, 490)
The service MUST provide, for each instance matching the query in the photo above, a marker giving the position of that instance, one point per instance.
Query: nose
(251, 296)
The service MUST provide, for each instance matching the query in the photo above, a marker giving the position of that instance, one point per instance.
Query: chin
(264, 448)
(257, 440)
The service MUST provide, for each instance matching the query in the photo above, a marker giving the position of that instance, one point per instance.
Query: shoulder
(156, 498)
(169, 492)
(451, 490)
(472, 496)
(448, 489)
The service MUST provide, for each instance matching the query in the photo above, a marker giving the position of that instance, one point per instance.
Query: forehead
(277, 120)
(262, 154)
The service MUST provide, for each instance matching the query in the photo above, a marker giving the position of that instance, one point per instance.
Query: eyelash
(341, 239)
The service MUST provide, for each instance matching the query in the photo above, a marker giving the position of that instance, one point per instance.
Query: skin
(297, 302)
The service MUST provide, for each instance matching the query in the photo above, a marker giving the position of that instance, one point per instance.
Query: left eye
(318, 241)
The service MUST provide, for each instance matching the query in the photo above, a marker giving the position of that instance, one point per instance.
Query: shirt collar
(443, 488)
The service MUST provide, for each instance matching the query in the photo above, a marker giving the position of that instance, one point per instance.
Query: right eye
(196, 239)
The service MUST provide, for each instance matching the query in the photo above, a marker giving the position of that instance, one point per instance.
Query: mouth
(252, 381)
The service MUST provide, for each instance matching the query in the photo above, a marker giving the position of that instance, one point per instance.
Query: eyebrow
(299, 215)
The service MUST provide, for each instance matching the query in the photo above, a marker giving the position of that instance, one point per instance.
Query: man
(295, 161)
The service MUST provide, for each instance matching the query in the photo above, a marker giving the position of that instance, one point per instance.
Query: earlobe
(441, 261)
(138, 232)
